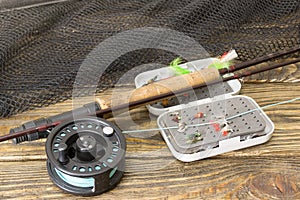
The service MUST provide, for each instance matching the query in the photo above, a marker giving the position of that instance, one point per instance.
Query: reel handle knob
(63, 158)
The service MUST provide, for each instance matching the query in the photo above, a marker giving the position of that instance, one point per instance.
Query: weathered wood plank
(218, 177)
(268, 171)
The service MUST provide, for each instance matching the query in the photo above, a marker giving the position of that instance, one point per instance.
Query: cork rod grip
(170, 85)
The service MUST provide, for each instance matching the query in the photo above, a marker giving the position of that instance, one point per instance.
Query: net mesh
(43, 47)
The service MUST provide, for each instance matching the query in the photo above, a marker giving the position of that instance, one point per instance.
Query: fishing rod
(152, 92)
(86, 154)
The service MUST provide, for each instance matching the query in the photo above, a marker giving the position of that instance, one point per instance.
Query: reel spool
(86, 156)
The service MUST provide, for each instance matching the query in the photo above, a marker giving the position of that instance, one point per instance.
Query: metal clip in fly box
(229, 87)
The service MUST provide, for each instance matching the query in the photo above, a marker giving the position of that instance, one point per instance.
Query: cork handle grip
(176, 83)
(171, 85)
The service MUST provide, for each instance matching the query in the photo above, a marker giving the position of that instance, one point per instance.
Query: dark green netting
(42, 47)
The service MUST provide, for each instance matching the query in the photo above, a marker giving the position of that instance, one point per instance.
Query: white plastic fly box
(210, 127)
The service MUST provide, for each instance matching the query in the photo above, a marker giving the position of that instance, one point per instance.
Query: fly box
(214, 126)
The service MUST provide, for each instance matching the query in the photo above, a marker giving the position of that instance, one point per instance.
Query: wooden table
(267, 171)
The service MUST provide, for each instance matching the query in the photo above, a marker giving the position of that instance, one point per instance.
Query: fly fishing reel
(86, 156)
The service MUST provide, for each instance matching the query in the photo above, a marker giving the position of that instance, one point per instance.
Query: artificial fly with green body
(177, 69)
(220, 65)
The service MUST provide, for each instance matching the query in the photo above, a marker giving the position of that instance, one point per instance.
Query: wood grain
(268, 171)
